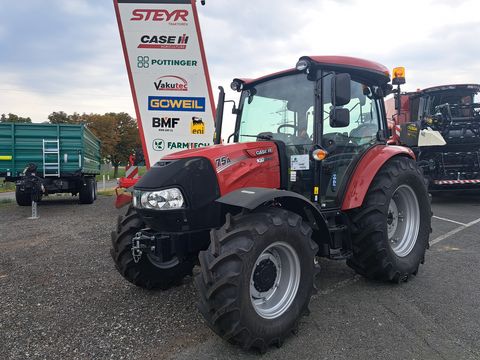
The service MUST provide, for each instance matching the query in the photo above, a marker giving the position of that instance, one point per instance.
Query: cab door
(345, 145)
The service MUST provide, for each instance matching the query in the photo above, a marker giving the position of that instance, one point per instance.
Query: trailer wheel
(390, 231)
(86, 194)
(149, 272)
(257, 277)
(23, 198)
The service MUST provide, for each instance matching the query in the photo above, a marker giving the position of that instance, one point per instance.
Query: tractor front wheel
(150, 272)
(390, 231)
(257, 277)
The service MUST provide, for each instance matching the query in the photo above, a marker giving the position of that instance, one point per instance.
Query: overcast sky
(66, 54)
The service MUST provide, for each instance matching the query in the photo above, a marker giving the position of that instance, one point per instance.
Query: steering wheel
(286, 125)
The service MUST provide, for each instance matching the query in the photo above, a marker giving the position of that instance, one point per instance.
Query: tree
(63, 118)
(118, 133)
(14, 119)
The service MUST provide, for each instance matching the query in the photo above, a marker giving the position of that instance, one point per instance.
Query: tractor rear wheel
(390, 231)
(149, 272)
(257, 277)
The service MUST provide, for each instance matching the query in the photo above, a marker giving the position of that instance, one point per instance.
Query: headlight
(167, 199)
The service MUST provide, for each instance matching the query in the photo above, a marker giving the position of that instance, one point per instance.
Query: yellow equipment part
(6, 157)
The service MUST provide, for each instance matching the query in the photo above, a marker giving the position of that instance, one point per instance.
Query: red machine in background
(442, 126)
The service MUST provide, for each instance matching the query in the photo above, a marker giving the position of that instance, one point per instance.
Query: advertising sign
(168, 75)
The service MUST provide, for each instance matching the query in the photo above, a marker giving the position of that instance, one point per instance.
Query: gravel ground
(62, 298)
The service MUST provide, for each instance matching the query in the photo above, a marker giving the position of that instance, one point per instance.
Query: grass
(108, 192)
(6, 186)
(121, 173)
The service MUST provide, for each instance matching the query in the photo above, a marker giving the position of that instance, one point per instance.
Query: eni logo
(198, 126)
(172, 103)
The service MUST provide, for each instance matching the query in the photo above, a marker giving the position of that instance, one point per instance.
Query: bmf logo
(171, 103)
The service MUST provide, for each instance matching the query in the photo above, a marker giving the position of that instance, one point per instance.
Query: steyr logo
(175, 17)
(158, 145)
(163, 42)
(176, 103)
(197, 126)
(166, 124)
(171, 83)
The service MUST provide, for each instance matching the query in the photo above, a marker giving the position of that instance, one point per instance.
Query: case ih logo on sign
(171, 103)
(171, 83)
(173, 17)
(163, 42)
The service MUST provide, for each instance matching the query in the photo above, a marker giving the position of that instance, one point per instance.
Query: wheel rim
(403, 220)
(274, 280)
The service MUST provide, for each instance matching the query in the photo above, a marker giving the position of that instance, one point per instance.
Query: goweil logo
(171, 103)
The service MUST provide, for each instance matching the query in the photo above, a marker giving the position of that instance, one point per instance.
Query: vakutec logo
(171, 83)
(163, 42)
(171, 103)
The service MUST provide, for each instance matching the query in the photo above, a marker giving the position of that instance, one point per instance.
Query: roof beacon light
(302, 64)
(398, 76)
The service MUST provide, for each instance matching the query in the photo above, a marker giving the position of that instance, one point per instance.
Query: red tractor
(309, 174)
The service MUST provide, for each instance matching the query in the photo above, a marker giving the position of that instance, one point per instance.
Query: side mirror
(339, 118)
(341, 92)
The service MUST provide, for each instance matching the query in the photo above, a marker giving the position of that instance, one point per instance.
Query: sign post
(168, 75)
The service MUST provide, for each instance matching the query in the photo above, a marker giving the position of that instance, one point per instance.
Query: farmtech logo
(171, 83)
(163, 42)
(160, 145)
(174, 17)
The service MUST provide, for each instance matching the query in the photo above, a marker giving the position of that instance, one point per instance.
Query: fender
(366, 170)
(253, 197)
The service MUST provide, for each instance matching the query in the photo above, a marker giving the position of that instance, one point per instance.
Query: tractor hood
(205, 174)
(233, 166)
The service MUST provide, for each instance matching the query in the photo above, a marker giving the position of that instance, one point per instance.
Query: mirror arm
(219, 116)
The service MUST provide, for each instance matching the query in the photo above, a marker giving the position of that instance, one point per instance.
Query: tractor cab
(323, 115)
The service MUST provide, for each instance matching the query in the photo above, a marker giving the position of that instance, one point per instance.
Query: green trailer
(45, 159)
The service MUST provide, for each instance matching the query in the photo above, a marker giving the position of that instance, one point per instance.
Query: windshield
(279, 109)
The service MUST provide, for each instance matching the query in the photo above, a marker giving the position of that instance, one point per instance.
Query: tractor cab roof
(367, 70)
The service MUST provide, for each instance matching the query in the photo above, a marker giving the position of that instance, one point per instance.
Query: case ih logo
(166, 124)
(163, 42)
(198, 126)
(175, 17)
(172, 103)
(171, 83)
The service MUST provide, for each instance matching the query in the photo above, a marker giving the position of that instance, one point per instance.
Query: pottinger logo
(163, 42)
(198, 126)
(171, 83)
(172, 103)
(175, 17)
